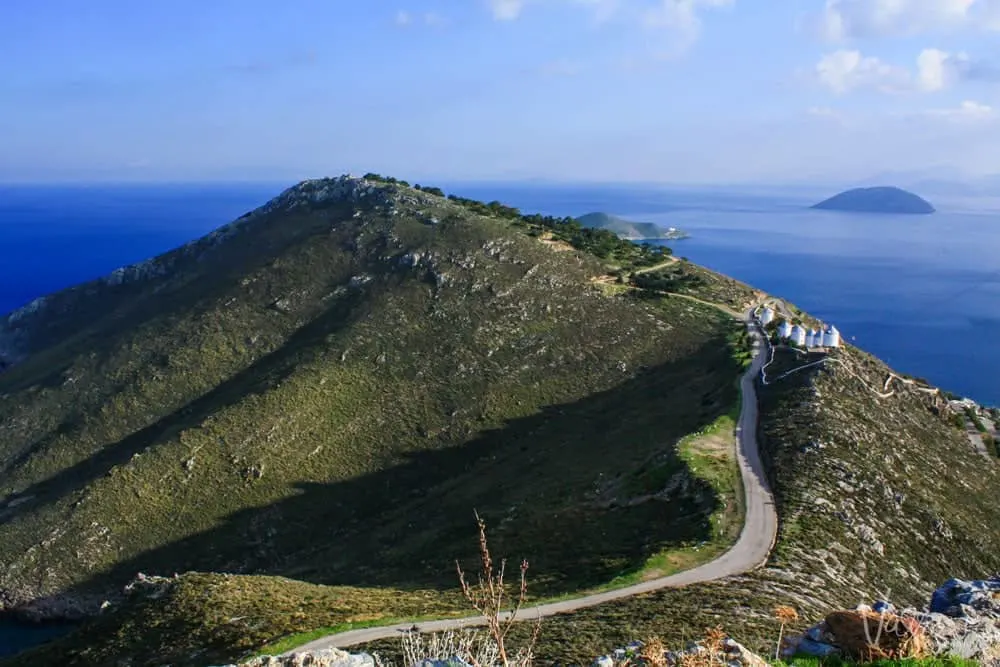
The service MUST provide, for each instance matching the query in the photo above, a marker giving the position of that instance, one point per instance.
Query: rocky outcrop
(963, 620)
(715, 649)
(331, 657)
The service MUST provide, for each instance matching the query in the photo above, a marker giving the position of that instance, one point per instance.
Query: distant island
(626, 229)
(877, 200)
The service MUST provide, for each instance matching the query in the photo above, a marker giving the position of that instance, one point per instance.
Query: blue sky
(607, 90)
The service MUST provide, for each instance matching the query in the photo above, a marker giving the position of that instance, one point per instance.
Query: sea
(921, 292)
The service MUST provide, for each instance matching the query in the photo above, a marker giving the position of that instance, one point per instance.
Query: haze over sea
(921, 292)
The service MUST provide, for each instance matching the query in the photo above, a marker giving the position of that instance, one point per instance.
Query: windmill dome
(798, 335)
(831, 337)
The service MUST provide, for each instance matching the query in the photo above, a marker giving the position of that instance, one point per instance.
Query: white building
(814, 338)
(798, 335)
(766, 316)
(831, 337)
(785, 329)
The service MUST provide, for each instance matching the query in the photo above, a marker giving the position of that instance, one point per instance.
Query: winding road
(749, 552)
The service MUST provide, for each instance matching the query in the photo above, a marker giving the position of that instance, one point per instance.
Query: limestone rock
(982, 595)
(331, 657)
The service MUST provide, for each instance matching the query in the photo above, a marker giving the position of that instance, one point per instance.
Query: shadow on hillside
(255, 379)
(541, 482)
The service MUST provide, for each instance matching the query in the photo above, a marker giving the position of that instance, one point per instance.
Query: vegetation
(974, 419)
(333, 375)
(289, 400)
(689, 279)
(879, 498)
(627, 229)
(905, 662)
(877, 200)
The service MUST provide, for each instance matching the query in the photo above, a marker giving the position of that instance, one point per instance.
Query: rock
(864, 635)
(331, 657)
(738, 654)
(720, 651)
(969, 638)
(982, 595)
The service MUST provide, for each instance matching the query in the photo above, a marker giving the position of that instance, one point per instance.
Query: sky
(678, 91)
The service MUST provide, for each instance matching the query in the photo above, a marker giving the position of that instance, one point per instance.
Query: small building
(831, 337)
(766, 315)
(798, 335)
(816, 336)
(785, 329)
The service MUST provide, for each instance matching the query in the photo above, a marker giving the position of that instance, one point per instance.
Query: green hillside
(325, 389)
(878, 498)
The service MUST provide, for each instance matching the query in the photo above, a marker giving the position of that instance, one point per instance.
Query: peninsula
(626, 229)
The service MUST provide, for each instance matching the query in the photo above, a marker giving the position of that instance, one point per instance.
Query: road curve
(749, 552)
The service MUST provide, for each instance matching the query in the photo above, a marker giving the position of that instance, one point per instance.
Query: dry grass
(491, 595)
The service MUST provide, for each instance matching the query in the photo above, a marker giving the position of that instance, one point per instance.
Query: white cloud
(681, 19)
(850, 19)
(506, 10)
(967, 111)
(935, 69)
(403, 18)
(846, 70)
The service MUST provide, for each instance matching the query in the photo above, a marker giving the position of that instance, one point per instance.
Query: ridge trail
(750, 551)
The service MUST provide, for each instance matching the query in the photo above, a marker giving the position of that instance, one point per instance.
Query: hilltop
(307, 404)
(877, 200)
(626, 229)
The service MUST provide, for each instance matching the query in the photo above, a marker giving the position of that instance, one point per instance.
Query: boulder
(866, 635)
(972, 638)
(953, 596)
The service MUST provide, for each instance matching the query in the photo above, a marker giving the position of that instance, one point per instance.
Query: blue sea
(921, 292)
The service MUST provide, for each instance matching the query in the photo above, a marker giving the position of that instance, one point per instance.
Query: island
(877, 200)
(626, 229)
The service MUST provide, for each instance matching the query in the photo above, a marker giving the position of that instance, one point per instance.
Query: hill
(626, 229)
(355, 362)
(877, 200)
(427, 356)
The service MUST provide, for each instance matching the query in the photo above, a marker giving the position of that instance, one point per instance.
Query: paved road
(750, 551)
